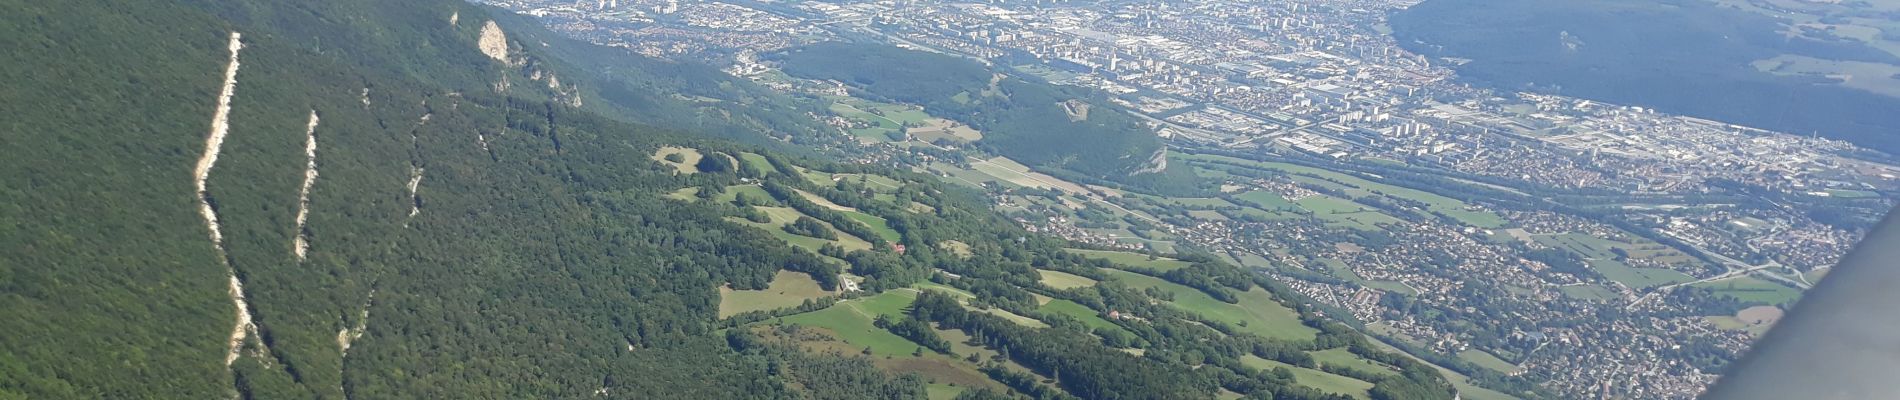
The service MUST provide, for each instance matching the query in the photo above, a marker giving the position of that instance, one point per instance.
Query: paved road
(1730, 274)
(1735, 268)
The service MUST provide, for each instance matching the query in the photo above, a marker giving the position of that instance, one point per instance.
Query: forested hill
(680, 96)
(467, 231)
(1038, 123)
(373, 199)
(1688, 57)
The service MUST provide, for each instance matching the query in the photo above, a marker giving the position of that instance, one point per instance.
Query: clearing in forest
(788, 289)
(688, 159)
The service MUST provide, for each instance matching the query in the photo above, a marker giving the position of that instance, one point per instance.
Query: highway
(1736, 268)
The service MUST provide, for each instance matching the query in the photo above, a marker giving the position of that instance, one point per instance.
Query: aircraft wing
(1841, 341)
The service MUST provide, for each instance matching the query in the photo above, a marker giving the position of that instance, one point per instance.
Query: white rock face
(344, 337)
(214, 141)
(245, 325)
(302, 244)
(1157, 163)
(493, 43)
(415, 199)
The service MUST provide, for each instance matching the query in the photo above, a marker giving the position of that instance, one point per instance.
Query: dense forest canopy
(530, 254)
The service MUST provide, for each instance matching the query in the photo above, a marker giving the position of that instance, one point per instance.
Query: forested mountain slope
(371, 199)
(476, 223)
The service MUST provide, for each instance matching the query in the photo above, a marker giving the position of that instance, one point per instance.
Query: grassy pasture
(1454, 208)
(1064, 280)
(1163, 264)
(1484, 359)
(758, 161)
(1596, 252)
(1256, 313)
(851, 322)
(788, 289)
(1266, 200)
(1322, 380)
(1750, 289)
(1588, 292)
(782, 216)
(1078, 311)
(1340, 357)
(690, 158)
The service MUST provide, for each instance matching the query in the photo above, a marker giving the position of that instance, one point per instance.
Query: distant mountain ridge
(1689, 57)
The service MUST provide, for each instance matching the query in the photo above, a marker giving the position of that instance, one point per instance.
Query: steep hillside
(398, 200)
(155, 188)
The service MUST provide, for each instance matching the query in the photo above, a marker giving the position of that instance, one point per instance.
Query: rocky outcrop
(493, 42)
(1156, 163)
(244, 326)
